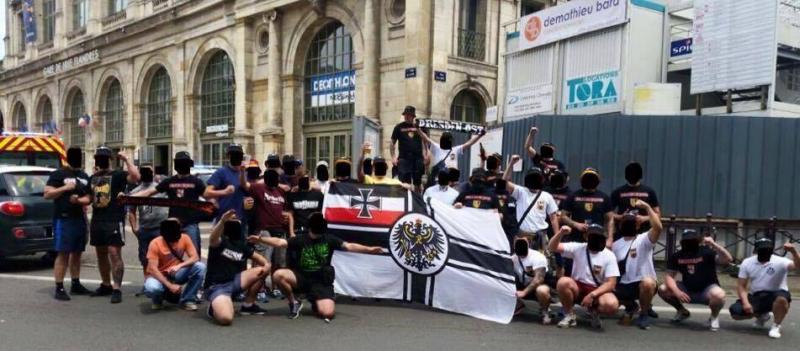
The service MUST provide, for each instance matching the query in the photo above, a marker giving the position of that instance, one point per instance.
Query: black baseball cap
(764, 243)
(182, 155)
(103, 151)
(273, 160)
(595, 228)
(378, 160)
(235, 148)
(478, 173)
(691, 234)
(410, 110)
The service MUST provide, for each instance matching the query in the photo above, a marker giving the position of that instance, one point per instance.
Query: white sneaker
(713, 324)
(761, 320)
(775, 331)
(546, 319)
(569, 321)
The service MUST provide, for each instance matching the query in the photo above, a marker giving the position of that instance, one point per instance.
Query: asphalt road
(30, 319)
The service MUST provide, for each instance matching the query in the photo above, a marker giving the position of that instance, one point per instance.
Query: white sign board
(491, 114)
(220, 128)
(492, 142)
(528, 100)
(596, 91)
(568, 20)
(734, 44)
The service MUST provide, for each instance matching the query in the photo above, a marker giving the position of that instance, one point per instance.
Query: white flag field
(456, 260)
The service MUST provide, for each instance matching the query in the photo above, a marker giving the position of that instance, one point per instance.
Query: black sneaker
(116, 296)
(61, 295)
(254, 309)
(79, 289)
(103, 290)
(652, 314)
(294, 309)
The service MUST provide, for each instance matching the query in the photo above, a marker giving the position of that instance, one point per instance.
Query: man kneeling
(594, 276)
(167, 269)
(310, 271)
(227, 274)
(530, 269)
(769, 292)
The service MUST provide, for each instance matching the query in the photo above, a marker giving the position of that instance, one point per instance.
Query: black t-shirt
(548, 166)
(587, 207)
(409, 142)
(698, 270)
(310, 255)
(622, 198)
(507, 205)
(303, 204)
(483, 198)
(58, 178)
(105, 187)
(226, 261)
(560, 195)
(186, 188)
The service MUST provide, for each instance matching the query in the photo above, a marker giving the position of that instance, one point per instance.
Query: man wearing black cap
(478, 193)
(68, 188)
(225, 185)
(184, 186)
(545, 158)
(766, 274)
(697, 264)
(108, 216)
(622, 198)
(587, 205)
(409, 158)
(594, 276)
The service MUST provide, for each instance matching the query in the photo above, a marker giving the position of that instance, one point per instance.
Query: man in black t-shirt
(586, 206)
(68, 188)
(183, 186)
(108, 219)
(227, 274)
(303, 203)
(409, 158)
(311, 271)
(622, 198)
(545, 158)
(478, 194)
(697, 265)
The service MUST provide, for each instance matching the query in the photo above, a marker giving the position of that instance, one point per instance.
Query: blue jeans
(193, 231)
(145, 237)
(191, 276)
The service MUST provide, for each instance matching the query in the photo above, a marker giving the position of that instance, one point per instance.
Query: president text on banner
(568, 20)
(437, 255)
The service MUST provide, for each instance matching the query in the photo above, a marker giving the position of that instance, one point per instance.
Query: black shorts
(761, 301)
(312, 286)
(107, 234)
(410, 170)
(627, 292)
(230, 289)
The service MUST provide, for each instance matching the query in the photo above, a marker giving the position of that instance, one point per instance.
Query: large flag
(452, 259)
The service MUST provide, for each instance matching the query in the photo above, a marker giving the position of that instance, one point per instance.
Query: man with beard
(409, 157)
(445, 155)
(227, 274)
(311, 272)
(594, 276)
(146, 220)
(225, 184)
(534, 206)
(545, 158)
(697, 265)
(478, 193)
(167, 269)
(634, 252)
(768, 291)
(182, 186)
(67, 187)
(530, 269)
(108, 220)
(623, 198)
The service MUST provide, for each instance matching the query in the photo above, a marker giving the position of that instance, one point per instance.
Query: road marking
(49, 279)
(698, 310)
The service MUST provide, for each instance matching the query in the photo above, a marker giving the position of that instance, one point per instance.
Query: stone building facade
(283, 76)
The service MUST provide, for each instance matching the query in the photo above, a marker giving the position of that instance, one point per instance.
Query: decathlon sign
(595, 90)
(333, 89)
(568, 20)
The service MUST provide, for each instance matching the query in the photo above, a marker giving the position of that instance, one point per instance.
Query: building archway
(75, 109)
(20, 117)
(467, 106)
(112, 110)
(156, 126)
(44, 116)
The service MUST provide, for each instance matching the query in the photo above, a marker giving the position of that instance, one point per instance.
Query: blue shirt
(220, 180)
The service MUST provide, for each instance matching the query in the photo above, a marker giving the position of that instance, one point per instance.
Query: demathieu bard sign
(568, 20)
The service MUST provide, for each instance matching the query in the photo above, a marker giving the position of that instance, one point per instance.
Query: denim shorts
(231, 288)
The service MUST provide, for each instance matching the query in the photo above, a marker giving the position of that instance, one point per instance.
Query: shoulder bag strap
(171, 250)
(528, 210)
(591, 271)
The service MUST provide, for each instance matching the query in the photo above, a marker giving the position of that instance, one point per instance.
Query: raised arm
(789, 247)
(133, 171)
(474, 139)
(656, 227)
(507, 173)
(425, 137)
(361, 162)
(529, 142)
(723, 256)
(555, 242)
(243, 181)
(216, 232)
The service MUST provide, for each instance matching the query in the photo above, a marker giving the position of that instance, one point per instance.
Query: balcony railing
(114, 17)
(159, 3)
(471, 44)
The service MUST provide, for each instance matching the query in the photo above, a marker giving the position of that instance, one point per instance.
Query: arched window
(112, 113)
(20, 118)
(159, 107)
(329, 76)
(467, 107)
(46, 116)
(217, 93)
(75, 110)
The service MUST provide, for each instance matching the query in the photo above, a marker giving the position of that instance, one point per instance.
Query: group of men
(591, 249)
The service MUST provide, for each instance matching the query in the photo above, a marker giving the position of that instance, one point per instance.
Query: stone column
(242, 64)
(371, 55)
(419, 20)
(271, 132)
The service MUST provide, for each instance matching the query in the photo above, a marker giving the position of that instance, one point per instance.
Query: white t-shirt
(770, 276)
(604, 263)
(536, 219)
(530, 264)
(640, 259)
(438, 155)
(447, 195)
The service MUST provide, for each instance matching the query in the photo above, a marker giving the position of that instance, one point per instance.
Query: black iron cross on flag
(365, 202)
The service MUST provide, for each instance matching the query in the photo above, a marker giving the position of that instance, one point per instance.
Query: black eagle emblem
(418, 244)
